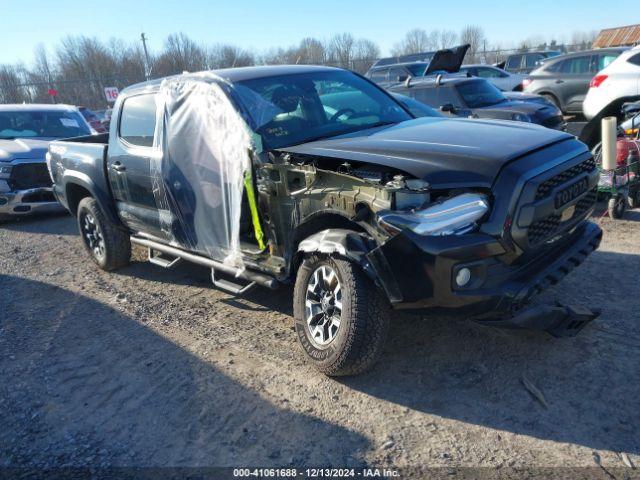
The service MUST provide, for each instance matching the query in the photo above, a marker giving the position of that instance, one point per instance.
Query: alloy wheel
(323, 305)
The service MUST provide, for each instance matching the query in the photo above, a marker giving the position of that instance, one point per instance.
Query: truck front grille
(548, 185)
(29, 175)
(545, 228)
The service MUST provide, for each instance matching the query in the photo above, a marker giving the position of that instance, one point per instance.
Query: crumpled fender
(347, 243)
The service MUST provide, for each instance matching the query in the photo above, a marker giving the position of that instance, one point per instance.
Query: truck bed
(84, 160)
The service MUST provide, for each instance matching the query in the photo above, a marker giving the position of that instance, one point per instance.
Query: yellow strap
(253, 207)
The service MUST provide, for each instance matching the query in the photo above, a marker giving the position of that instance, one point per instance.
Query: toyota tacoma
(315, 176)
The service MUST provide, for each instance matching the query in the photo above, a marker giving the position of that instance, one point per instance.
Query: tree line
(80, 67)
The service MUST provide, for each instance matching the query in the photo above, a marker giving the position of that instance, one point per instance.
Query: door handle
(118, 167)
(559, 81)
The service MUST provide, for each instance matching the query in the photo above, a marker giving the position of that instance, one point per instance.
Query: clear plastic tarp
(202, 153)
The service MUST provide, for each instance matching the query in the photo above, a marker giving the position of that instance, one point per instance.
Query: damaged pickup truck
(316, 176)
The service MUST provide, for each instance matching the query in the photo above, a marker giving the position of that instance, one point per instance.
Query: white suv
(618, 82)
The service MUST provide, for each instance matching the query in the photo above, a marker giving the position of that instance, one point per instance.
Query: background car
(25, 132)
(93, 120)
(462, 96)
(388, 75)
(615, 84)
(564, 80)
(527, 61)
(502, 79)
(390, 71)
(417, 109)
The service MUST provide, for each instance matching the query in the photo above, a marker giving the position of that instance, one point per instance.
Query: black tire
(108, 245)
(617, 206)
(364, 318)
(634, 199)
(552, 99)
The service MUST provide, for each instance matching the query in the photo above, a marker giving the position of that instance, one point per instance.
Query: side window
(514, 62)
(605, 60)
(532, 60)
(138, 120)
(379, 75)
(437, 96)
(635, 59)
(397, 74)
(576, 66)
(484, 72)
(555, 66)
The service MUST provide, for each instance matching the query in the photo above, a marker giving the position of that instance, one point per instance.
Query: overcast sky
(261, 24)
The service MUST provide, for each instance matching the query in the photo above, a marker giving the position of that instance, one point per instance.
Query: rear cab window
(138, 120)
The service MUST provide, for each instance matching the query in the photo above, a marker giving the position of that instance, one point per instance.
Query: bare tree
(415, 41)
(311, 51)
(474, 36)
(229, 56)
(341, 49)
(365, 52)
(446, 38)
(180, 54)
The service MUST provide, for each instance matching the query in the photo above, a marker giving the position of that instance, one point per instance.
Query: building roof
(617, 37)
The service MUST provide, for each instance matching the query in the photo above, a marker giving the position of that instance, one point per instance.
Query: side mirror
(447, 108)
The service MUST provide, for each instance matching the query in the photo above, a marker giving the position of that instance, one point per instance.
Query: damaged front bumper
(419, 273)
(32, 200)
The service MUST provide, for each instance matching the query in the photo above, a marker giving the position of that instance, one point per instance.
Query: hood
(23, 148)
(447, 60)
(446, 152)
(536, 110)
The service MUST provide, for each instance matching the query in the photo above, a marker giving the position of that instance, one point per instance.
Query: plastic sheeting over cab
(202, 158)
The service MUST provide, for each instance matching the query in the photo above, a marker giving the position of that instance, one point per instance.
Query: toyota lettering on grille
(571, 192)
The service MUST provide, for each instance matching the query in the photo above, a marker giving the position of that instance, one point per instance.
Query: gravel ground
(147, 367)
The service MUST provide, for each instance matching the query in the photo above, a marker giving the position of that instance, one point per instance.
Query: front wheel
(617, 206)
(109, 246)
(634, 199)
(341, 317)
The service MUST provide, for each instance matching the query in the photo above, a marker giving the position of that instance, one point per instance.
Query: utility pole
(147, 70)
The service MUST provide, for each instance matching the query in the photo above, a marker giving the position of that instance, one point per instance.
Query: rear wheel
(109, 246)
(552, 99)
(617, 206)
(342, 318)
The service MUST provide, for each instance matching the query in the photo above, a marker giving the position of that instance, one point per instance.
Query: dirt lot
(152, 367)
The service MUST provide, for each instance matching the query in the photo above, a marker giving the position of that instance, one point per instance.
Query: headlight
(453, 216)
(521, 117)
(5, 171)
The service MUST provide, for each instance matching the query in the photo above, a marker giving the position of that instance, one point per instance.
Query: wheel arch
(326, 232)
(78, 186)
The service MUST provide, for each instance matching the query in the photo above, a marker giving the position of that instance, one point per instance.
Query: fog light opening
(463, 277)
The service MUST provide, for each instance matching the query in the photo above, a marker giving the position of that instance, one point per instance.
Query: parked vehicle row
(462, 96)
(564, 80)
(330, 183)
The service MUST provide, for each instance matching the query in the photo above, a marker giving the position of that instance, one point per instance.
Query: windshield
(291, 109)
(417, 69)
(42, 124)
(477, 94)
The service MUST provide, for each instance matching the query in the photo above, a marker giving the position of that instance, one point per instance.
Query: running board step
(156, 258)
(231, 287)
